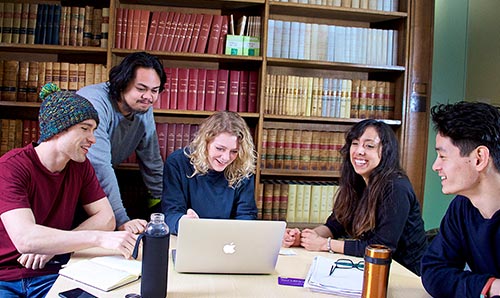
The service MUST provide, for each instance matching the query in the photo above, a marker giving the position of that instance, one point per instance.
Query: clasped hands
(308, 239)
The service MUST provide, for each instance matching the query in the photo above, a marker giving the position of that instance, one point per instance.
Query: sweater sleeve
(392, 215)
(174, 199)
(245, 203)
(150, 162)
(443, 263)
(100, 153)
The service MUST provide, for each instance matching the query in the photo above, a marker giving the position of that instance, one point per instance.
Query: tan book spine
(323, 151)
(41, 76)
(363, 100)
(89, 73)
(371, 93)
(23, 29)
(64, 76)
(297, 136)
(288, 149)
(30, 30)
(283, 206)
(275, 213)
(263, 151)
(87, 25)
(292, 194)
(305, 150)
(380, 102)
(280, 149)
(80, 26)
(8, 22)
(356, 85)
(56, 73)
(11, 72)
(32, 91)
(390, 89)
(22, 85)
(97, 73)
(80, 75)
(73, 28)
(267, 206)
(272, 135)
(259, 200)
(73, 77)
(96, 27)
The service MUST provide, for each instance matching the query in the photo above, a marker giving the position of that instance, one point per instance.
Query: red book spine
(234, 86)
(171, 138)
(192, 88)
(200, 89)
(243, 92)
(196, 33)
(215, 30)
(252, 91)
(174, 88)
(153, 30)
(143, 29)
(177, 33)
(201, 45)
(189, 34)
(179, 135)
(157, 39)
(119, 28)
(183, 32)
(136, 25)
(166, 30)
(125, 28)
(171, 32)
(165, 95)
(222, 37)
(162, 130)
(211, 90)
(222, 81)
(182, 93)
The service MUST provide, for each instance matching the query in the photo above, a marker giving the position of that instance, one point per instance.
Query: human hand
(123, 241)
(34, 261)
(191, 214)
(135, 226)
(495, 288)
(291, 238)
(310, 240)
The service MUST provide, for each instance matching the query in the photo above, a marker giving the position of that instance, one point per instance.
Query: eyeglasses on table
(347, 264)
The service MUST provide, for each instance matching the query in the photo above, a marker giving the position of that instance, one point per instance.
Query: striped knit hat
(62, 109)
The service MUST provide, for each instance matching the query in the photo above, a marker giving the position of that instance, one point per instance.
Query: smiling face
(458, 174)
(222, 151)
(75, 142)
(366, 153)
(141, 93)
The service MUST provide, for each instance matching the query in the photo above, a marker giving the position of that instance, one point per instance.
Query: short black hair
(468, 125)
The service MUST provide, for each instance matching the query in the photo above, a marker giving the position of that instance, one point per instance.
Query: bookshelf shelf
(50, 49)
(326, 120)
(216, 4)
(308, 64)
(196, 57)
(330, 12)
(302, 174)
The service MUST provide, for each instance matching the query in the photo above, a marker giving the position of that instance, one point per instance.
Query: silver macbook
(228, 246)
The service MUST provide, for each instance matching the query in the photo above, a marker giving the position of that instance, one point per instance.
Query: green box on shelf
(234, 45)
(251, 46)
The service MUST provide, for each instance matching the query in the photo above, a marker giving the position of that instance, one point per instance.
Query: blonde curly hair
(224, 122)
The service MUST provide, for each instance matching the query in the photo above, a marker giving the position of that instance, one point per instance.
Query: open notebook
(104, 273)
(228, 246)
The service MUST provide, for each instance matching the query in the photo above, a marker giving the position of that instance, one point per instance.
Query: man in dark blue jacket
(468, 164)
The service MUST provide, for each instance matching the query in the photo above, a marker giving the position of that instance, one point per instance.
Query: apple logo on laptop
(229, 248)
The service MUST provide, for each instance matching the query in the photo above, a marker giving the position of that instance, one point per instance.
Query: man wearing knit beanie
(127, 126)
(41, 185)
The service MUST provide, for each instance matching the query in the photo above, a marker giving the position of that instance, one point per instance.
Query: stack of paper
(344, 282)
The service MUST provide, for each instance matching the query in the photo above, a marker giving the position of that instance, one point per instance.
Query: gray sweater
(116, 139)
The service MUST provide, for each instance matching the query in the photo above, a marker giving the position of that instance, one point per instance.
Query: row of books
(32, 23)
(209, 90)
(384, 5)
(15, 133)
(295, 201)
(172, 31)
(293, 149)
(305, 41)
(328, 97)
(21, 80)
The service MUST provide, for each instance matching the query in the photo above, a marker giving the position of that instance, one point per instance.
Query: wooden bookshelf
(411, 73)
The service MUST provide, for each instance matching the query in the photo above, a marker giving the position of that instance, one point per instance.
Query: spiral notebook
(228, 246)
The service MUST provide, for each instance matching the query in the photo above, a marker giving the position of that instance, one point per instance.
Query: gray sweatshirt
(116, 139)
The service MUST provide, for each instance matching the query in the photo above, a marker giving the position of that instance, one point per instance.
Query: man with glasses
(127, 125)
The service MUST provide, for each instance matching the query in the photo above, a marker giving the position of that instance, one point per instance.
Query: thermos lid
(378, 251)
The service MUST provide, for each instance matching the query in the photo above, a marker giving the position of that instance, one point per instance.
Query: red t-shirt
(53, 197)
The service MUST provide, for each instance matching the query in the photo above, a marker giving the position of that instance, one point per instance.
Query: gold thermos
(376, 275)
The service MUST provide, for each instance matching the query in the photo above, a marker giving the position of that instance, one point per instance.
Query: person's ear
(482, 154)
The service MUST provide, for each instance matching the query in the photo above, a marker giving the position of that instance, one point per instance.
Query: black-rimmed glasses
(347, 264)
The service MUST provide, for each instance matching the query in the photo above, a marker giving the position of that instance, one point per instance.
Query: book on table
(104, 273)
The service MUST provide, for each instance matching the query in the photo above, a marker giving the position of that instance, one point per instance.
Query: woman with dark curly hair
(213, 176)
(375, 203)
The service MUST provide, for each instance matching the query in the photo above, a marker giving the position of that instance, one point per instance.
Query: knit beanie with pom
(62, 109)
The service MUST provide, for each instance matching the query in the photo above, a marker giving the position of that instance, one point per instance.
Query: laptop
(228, 246)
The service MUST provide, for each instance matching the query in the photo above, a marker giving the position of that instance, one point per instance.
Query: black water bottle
(154, 257)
